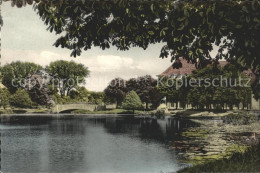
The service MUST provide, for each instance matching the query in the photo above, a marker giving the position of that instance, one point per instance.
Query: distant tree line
(218, 95)
(57, 83)
(145, 87)
(29, 84)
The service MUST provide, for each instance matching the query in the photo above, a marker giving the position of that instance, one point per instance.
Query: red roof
(186, 68)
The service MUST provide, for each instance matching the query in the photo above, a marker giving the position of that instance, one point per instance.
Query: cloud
(49, 55)
(112, 62)
(39, 57)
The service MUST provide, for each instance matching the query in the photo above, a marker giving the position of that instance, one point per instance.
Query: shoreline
(183, 114)
(63, 115)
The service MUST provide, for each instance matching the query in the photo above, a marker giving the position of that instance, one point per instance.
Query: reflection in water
(90, 145)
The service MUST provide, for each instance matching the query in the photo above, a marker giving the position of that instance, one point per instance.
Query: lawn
(111, 111)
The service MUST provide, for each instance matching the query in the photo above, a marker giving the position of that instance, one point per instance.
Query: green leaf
(181, 18)
(55, 20)
(186, 22)
(214, 8)
(128, 27)
(246, 43)
(186, 13)
(247, 19)
(200, 42)
(76, 9)
(238, 26)
(151, 32)
(221, 13)
(165, 28)
(219, 31)
(152, 7)
(208, 10)
(162, 33)
(257, 20)
(244, 9)
(181, 27)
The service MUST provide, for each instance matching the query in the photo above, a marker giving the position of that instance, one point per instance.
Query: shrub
(160, 113)
(21, 99)
(240, 118)
(4, 97)
(132, 101)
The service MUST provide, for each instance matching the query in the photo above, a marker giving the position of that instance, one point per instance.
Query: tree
(38, 89)
(188, 28)
(116, 90)
(218, 98)
(168, 87)
(81, 94)
(192, 97)
(145, 87)
(21, 99)
(67, 75)
(132, 101)
(96, 97)
(15, 73)
(4, 97)
(226, 90)
(210, 86)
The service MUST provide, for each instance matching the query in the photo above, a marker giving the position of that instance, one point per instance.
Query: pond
(80, 144)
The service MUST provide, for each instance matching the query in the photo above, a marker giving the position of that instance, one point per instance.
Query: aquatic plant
(235, 159)
(240, 118)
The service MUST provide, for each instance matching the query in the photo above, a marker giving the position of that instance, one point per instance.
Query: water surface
(90, 144)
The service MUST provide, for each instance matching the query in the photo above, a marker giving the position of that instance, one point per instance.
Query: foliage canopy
(4, 97)
(67, 75)
(13, 74)
(187, 28)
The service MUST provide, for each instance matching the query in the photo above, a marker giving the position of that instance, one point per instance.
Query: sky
(25, 38)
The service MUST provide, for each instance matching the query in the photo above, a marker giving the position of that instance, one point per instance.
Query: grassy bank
(80, 111)
(23, 111)
(246, 161)
(111, 111)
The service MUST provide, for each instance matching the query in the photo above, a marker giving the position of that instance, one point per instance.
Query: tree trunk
(116, 104)
(146, 105)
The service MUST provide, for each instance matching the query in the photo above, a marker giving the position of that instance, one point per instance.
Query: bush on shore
(240, 118)
(238, 162)
(21, 99)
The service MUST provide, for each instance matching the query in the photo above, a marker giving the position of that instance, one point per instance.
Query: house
(187, 68)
